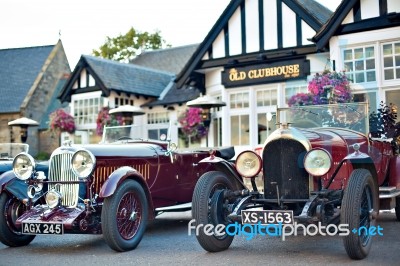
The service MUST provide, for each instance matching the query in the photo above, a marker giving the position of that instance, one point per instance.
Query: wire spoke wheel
(124, 216)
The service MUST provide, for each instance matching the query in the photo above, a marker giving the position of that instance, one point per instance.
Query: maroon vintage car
(112, 188)
(320, 167)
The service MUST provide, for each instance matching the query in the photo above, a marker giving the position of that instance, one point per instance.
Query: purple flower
(328, 87)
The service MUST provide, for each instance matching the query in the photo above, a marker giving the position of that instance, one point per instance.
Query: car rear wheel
(207, 208)
(124, 216)
(10, 209)
(359, 210)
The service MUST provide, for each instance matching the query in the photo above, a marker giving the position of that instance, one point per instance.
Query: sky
(84, 25)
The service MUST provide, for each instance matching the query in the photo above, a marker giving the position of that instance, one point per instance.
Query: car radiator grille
(60, 171)
(283, 168)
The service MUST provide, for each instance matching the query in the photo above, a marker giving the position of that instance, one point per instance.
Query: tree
(126, 47)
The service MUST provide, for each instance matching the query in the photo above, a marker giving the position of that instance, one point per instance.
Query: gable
(267, 25)
(252, 29)
(97, 74)
(354, 16)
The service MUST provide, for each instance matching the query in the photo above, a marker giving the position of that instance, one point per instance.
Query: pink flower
(61, 121)
(328, 87)
(192, 123)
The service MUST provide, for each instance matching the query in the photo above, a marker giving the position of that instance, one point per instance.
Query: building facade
(364, 41)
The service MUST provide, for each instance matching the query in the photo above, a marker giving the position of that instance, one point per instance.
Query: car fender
(10, 183)
(118, 176)
(5, 178)
(358, 160)
(226, 167)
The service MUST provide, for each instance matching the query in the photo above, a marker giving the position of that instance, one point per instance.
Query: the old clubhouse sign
(265, 73)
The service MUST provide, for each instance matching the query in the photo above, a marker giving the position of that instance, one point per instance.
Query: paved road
(166, 242)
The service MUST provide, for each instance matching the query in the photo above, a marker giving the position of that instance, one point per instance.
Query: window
(266, 125)
(119, 101)
(239, 100)
(291, 90)
(391, 61)
(158, 118)
(369, 97)
(217, 122)
(393, 97)
(267, 97)
(240, 130)
(86, 110)
(156, 133)
(359, 64)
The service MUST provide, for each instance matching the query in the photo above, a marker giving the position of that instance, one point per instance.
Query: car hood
(137, 150)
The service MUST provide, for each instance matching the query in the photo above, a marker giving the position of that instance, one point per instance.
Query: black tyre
(207, 208)
(360, 208)
(397, 208)
(124, 216)
(10, 209)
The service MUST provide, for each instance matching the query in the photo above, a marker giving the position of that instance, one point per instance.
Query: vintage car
(112, 188)
(318, 167)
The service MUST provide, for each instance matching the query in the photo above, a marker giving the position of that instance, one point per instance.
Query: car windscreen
(346, 115)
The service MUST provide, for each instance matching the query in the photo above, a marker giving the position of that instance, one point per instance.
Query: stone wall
(39, 99)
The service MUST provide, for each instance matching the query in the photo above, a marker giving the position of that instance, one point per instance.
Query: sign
(265, 73)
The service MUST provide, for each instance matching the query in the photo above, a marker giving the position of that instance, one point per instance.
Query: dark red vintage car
(112, 188)
(320, 167)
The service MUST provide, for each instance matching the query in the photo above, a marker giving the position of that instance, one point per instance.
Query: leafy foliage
(125, 47)
(61, 121)
(383, 122)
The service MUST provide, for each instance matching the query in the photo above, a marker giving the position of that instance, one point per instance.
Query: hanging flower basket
(328, 87)
(61, 121)
(104, 118)
(192, 124)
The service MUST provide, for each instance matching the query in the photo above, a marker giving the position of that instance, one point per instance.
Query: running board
(175, 208)
(388, 192)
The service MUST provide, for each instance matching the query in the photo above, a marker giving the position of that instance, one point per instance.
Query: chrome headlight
(317, 162)
(53, 198)
(23, 166)
(83, 163)
(248, 164)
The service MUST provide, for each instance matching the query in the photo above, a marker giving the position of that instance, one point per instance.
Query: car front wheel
(359, 210)
(124, 216)
(10, 209)
(208, 208)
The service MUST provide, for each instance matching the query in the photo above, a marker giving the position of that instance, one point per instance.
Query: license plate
(266, 217)
(42, 228)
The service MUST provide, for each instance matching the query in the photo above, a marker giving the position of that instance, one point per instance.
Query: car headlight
(248, 164)
(23, 166)
(317, 162)
(83, 163)
(53, 198)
